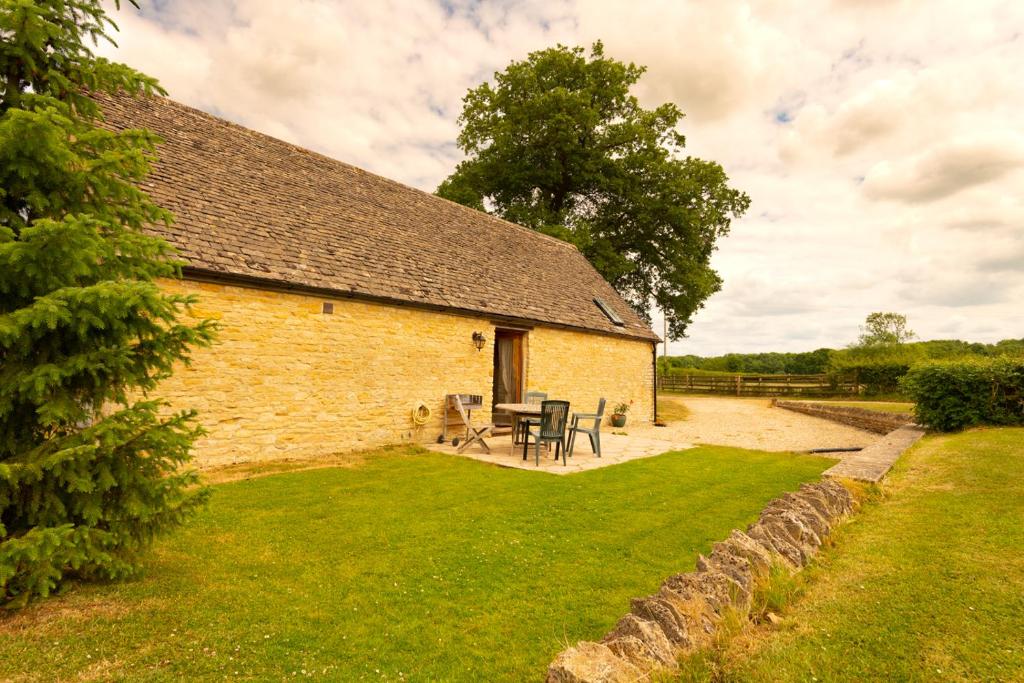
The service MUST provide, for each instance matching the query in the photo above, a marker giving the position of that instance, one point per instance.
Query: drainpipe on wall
(654, 377)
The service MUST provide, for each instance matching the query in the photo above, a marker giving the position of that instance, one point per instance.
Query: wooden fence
(759, 385)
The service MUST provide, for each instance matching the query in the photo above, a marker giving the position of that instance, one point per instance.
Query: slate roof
(252, 207)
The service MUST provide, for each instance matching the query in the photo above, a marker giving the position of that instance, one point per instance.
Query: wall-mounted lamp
(479, 340)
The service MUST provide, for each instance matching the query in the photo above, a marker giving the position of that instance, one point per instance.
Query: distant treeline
(832, 361)
(773, 363)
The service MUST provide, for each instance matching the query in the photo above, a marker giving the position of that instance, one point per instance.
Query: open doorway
(508, 370)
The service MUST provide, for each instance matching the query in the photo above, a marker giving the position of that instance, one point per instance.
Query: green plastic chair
(554, 416)
(532, 398)
(594, 431)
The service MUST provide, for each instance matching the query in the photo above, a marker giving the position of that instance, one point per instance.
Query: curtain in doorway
(506, 377)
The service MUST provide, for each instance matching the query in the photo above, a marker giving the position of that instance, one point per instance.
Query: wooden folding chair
(473, 434)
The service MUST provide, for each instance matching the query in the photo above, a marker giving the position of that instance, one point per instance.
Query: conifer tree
(91, 467)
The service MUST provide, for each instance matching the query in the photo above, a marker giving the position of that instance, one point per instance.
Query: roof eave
(200, 274)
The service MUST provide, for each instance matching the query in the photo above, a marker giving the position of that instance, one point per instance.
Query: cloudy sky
(881, 141)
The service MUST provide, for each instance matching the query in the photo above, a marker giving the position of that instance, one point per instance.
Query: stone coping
(871, 464)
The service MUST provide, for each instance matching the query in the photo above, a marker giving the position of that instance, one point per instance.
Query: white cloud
(958, 290)
(378, 85)
(880, 141)
(947, 168)
(712, 58)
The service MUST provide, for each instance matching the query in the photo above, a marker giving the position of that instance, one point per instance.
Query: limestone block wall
(581, 368)
(286, 380)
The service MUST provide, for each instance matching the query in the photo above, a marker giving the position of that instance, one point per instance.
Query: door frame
(518, 338)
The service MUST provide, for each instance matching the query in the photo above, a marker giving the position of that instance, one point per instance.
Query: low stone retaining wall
(871, 420)
(684, 614)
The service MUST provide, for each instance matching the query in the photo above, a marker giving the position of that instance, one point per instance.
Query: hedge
(879, 377)
(952, 395)
(877, 369)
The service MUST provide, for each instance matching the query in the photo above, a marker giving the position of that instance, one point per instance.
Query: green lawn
(925, 584)
(411, 565)
(881, 406)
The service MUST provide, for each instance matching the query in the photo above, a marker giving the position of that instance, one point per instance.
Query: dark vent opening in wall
(607, 310)
(328, 308)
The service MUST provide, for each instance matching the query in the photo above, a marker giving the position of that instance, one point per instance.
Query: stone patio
(737, 422)
(638, 442)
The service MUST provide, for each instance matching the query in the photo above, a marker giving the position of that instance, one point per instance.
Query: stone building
(345, 299)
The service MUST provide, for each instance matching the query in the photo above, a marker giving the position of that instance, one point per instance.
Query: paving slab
(641, 442)
(875, 461)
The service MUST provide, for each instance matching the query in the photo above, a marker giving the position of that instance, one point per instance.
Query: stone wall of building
(286, 380)
(582, 368)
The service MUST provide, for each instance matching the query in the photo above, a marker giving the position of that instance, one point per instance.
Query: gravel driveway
(753, 423)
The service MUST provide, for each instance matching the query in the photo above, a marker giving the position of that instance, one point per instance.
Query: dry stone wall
(870, 420)
(683, 616)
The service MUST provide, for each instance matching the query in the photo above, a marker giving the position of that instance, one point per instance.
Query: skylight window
(607, 310)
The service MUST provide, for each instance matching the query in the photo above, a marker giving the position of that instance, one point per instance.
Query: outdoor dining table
(518, 411)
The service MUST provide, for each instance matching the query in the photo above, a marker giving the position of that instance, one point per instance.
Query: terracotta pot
(618, 421)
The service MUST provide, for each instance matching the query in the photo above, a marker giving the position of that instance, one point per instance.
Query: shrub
(952, 395)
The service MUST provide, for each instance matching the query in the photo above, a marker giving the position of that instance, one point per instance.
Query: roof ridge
(392, 181)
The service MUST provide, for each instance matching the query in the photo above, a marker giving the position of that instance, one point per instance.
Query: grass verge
(413, 566)
(672, 409)
(880, 406)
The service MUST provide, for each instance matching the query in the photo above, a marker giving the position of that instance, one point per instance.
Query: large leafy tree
(91, 468)
(559, 144)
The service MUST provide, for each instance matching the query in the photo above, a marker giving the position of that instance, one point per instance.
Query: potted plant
(619, 414)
